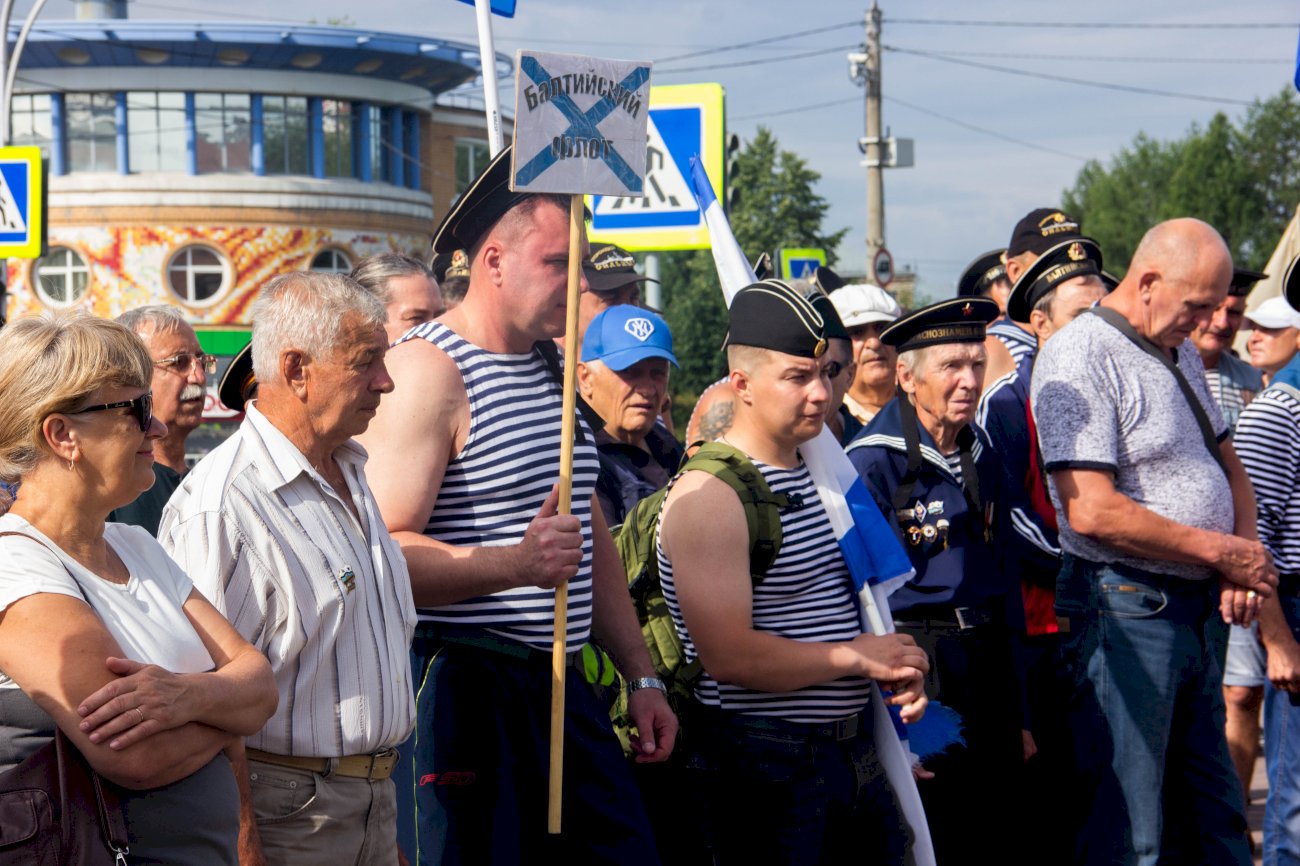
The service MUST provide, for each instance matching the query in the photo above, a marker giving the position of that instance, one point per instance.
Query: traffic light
(731, 157)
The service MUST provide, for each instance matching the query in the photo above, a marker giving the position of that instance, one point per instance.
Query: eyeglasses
(185, 361)
(141, 407)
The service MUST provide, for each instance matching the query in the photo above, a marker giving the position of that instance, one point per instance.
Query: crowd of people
(330, 640)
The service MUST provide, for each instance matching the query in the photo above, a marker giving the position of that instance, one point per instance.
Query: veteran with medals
(943, 488)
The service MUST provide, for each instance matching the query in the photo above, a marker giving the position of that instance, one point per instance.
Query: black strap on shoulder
(912, 440)
(551, 355)
(1122, 325)
(762, 506)
(970, 478)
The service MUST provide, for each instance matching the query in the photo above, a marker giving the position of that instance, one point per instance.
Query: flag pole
(559, 658)
(488, 63)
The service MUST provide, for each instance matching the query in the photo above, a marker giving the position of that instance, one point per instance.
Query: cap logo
(1056, 223)
(820, 348)
(459, 259)
(967, 310)
(1075, 252)
(609, 258)
(639, 328)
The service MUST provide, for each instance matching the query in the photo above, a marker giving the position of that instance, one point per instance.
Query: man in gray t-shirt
(1147, 513)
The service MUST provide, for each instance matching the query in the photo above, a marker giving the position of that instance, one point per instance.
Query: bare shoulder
(428, 397)
(702, 508)
(1000, 361)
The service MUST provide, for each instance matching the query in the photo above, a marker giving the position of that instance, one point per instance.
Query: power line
(1127, 88)
(984, 131)
(760, 61)
(1094, 58)
(781, 38)
(1093, 25)
(854, 99)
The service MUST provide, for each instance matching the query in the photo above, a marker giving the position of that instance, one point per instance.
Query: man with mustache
(180, 375)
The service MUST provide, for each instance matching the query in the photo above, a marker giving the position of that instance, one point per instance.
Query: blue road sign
(504, 8)
(22, 203)
(685, 120)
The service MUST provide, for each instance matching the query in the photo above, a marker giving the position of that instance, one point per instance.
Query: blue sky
(967, 188)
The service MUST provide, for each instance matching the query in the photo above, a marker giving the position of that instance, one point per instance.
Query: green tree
(777, 207)
(1242, 179)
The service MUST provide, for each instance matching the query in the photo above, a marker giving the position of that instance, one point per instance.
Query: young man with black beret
(780, 752)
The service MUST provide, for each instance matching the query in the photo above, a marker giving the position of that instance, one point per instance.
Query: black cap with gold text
(1040, 230)
(1080, 257)
(981, 274)
(478, 209)
(958, 320)
(771, 315)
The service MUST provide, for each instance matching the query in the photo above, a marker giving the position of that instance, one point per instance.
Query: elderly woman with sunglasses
(101, 633)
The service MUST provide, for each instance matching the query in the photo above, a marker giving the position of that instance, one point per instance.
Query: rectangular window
(155, 124)
(92, 131)
(471, 158)
(223, 132)
(380, 146)
(284, 135)
(29, 120)
(336, 120)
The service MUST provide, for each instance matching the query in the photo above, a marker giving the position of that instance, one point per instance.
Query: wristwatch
(646, 683)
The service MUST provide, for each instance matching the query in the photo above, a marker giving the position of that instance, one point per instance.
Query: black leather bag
(56, 811)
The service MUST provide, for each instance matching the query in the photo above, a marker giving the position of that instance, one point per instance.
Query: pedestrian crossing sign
(22, 203)
(685, 120)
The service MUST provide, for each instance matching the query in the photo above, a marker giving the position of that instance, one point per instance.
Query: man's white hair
(306, 310)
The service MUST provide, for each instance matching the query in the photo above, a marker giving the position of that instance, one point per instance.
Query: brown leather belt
(374, 767)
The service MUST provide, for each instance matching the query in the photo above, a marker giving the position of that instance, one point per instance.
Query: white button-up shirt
(325, 596)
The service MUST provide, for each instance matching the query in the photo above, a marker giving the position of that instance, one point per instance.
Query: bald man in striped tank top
(464, 466)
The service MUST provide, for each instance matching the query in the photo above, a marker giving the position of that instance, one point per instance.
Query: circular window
(197, 274)
(61, 276)
(331, 261)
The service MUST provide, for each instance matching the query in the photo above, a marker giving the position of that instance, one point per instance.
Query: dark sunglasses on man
(141, 407)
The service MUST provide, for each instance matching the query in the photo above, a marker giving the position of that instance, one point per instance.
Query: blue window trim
(413, 150)
(58, 137)
(316, 125)
(361, 141)
(191, 137)
(121, 133)
(396, 151)
(258, 144)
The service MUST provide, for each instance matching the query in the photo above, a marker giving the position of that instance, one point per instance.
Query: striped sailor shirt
(325, 596)
(1268, 442)
(807, 595)
(1019, 342)
(498, 482)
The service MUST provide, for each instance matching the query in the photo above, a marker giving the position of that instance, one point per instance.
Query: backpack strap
(762, 507)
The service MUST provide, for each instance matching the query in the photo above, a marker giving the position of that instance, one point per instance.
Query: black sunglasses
(141, 407)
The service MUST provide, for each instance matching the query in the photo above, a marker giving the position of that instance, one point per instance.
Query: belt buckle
(961, 613)
(847, 729)
(381, 755)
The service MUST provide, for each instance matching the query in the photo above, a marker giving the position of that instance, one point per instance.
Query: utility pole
(869, 73)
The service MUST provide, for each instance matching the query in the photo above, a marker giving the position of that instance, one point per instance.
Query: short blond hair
(53, 363)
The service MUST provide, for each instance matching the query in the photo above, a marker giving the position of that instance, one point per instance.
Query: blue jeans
(1147, 718)
(1282, 756)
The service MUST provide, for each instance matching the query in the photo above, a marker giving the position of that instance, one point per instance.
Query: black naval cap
(827, 280)
(958, 320)
(238, 382)
(610, 268)
(1243, 280)
(449, 265)
(1065, 261)
(1040, 230)
(771, 315)
(1291, 284)
(478, 209)
(982, 273)
(835, 329)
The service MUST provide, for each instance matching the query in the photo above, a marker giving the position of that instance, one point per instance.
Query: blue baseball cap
(621, 335)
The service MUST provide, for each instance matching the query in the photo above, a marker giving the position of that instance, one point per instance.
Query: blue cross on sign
(580, 125)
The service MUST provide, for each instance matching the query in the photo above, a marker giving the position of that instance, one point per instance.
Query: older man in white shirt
(279, 529)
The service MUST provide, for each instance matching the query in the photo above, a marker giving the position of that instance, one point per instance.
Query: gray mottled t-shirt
(1101, 402)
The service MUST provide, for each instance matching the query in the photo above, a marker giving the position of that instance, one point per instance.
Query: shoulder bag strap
(551, 355)
(1203, 420)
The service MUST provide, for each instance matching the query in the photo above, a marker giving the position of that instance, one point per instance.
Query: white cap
(1274, 313)
(863, 303)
